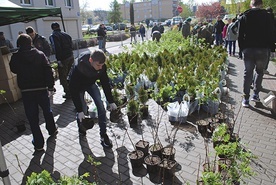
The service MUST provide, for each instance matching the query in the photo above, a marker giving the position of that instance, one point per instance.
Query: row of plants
(171, 67)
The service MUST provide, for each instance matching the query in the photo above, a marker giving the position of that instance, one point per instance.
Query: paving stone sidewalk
(68, 153)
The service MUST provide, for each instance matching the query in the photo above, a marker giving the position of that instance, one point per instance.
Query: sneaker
(255, 98)
(105, 141)
(245, 103)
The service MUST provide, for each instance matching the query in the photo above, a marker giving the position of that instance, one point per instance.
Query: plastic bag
(178, 112)
(173, 111)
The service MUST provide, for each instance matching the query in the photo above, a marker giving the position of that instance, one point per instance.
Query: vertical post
(121, 37)
(3, 168)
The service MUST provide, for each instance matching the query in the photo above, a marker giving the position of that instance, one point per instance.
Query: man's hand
(51, 91)
(80, 116)
(112, 106)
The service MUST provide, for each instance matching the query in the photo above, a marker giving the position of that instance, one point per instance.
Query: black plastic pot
(136, 158)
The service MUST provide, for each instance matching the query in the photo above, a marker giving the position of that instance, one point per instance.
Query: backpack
(234, 28)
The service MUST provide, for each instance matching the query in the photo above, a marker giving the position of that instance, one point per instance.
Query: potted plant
(143, 98)
(137, 156)
(120, 101)
(168, 152)
(20, 124)
(132, 112)
(167, 168)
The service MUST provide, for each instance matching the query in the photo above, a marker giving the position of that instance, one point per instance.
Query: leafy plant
(211, 178)
(143, 95)
(42, 178)
(117, 96)
(132, 107)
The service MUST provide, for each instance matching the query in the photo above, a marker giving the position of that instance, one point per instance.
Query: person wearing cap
(186, 28)
(39, 41)
(4, 41)
(36, 82)
(62, 46)
(255, 41)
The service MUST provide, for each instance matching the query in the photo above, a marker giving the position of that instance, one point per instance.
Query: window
(25, 2)
(49, 2)
(68, 3)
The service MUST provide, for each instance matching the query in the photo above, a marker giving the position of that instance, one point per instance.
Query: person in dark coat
(218, 28)
(255, 41)
(4, 41)
(132, 31)
(155, 33)
(39, 41)
(102, 37)
(186, 28)
(36, 82)
(62, 46)
(142, 31)
(90, 68)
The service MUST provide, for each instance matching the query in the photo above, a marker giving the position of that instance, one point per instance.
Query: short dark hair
(269, 10)
(99, 56)
(29, 29)
(24, 40)
(256, 2)
(55, 26)
(1, 33)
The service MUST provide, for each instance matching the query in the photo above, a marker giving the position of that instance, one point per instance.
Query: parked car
(109, 28)
(119, 26)
(176, 20)
(85, 28)
(94, 28)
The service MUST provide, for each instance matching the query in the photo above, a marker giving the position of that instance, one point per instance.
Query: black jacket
(218, 26)
(83, 76)
(32, 68)
(256, 29)
(101, 33)
(62, 44)
(42, 44)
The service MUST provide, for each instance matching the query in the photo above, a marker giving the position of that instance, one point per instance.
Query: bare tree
(85, 13)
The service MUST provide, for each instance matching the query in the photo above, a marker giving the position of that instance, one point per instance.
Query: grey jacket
(230, 35)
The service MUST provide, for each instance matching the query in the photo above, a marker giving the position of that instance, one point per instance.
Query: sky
(104, 4)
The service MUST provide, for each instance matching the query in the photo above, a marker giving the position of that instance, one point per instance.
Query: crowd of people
(256, 40)
(35, 79)
(255, 31)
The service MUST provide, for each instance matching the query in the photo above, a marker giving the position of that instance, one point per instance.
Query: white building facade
(70, 12)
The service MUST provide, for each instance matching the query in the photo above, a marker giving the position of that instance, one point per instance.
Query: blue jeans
(100, 42)
(254, 58)
(219, 39)
(232, 43)
(94, 92)
(31, 101)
